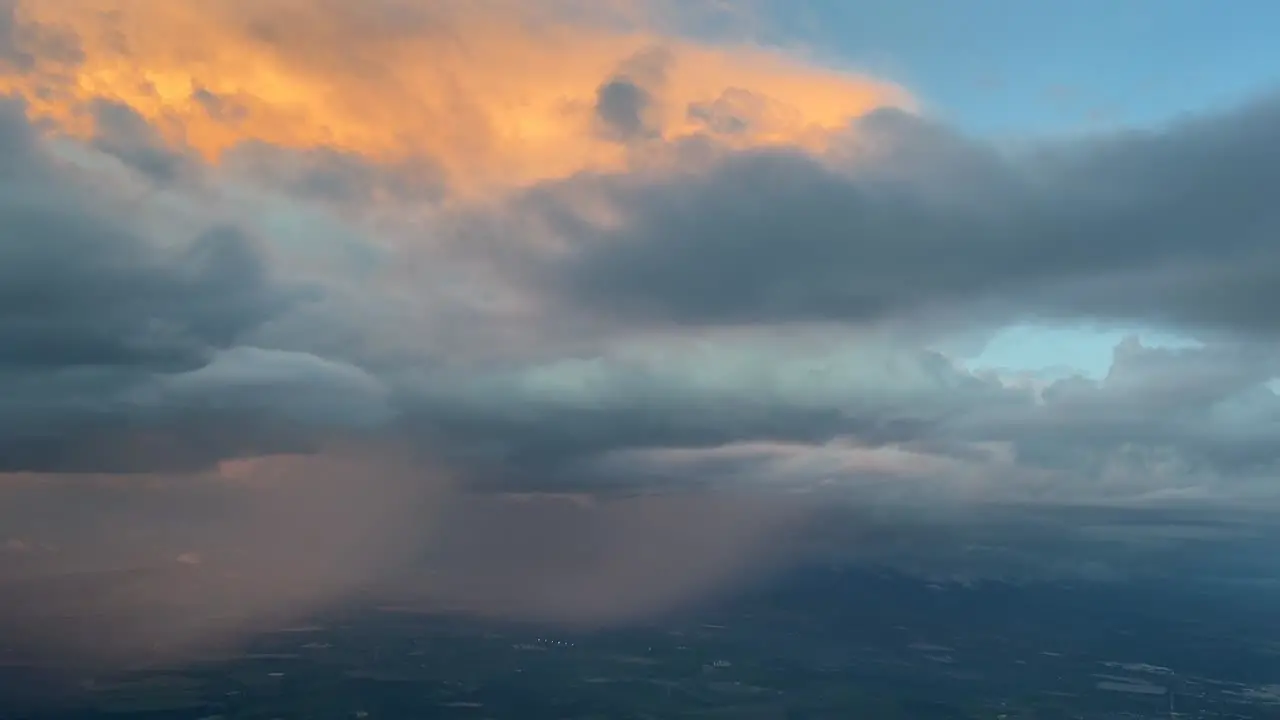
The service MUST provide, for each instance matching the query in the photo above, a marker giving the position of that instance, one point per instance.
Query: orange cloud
(492, 91)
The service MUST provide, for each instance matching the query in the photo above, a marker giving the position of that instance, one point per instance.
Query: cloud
(126, 135)
(1169, 226)
(420, 80)
(886, 422)
(1199, 420)
(295, 385)
(535, 337)
(99, 300)
(334, 177)
(86, 286)
(701, 392)
(625, 104)
(542, 333)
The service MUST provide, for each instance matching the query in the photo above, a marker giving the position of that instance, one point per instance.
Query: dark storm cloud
(91, 308)
(76, 292)
(123, 439)
(626, 104)
(1175, 225)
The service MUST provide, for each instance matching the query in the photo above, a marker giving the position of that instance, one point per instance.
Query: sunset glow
(490, 98)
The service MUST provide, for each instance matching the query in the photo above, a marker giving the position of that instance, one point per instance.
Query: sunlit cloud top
(492, 93)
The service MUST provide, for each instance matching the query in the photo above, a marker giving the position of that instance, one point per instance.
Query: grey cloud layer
(124, 349)
(1199, 423)
(1171, 226)
(547, 416)
(80, 285)
(96, 309)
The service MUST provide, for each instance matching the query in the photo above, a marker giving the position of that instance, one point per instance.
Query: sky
(999, 67)
(592, 304)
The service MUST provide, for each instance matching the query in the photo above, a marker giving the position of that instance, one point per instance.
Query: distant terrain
(820, 642)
